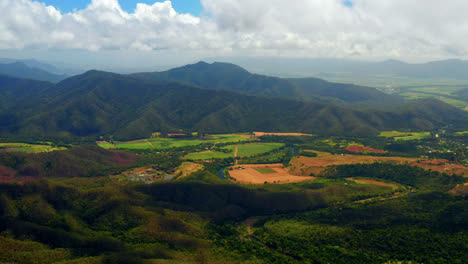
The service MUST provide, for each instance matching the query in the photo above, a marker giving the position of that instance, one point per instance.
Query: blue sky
(181, 6)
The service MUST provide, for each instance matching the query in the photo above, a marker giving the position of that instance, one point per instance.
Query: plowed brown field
(249, 175)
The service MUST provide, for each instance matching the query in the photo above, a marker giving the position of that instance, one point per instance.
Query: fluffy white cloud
(406, 29)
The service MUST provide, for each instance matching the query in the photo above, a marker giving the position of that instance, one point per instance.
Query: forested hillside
(100, 103)
(230, 77)
(21, 70)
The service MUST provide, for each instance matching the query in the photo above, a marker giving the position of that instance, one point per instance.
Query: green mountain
(21, 70)
(326, 67)
(230, 77)
(100, 103)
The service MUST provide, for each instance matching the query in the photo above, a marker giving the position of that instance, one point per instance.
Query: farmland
(208, 155)
(316, 165)
(166, 143)
(252, 149)
(29, 148)
(243, 150)
(397, 135)
(444, 93)
(264, 173)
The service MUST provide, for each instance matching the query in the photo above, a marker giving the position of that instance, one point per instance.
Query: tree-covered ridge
(99, 103)
(230, 77)
(22, 70)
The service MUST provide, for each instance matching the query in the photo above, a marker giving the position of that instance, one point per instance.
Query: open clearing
(165, 143)
(28, 148)
(241, 150)
(405, 135)
(460, 190)
(252, 149)
(259, 134)
(374, 182)
(316, 165)
(208, 155)
(250, 174)
(187, 168)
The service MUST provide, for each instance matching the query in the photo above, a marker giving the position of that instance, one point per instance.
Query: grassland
(341, 143)
(166, 143)
(246, 150)
(29, 148)
(443, 93)
(243, 150)
(405, 135)
(208, 155)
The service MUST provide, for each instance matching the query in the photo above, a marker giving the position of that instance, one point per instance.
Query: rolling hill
(101, 103)
(22, 70)
(230, 77)
(443, 69)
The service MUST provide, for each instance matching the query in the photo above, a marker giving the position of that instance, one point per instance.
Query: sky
(193, 7)
(138, 33)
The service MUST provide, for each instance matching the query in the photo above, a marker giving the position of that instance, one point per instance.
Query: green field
(245, 150)
(29, 148)
(405, 135)
(165, 143)
(208, 155)
(341, 143)
(265, 170)
(443, 93)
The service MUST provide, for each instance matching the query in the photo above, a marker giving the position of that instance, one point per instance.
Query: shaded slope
(99, 103)
(230, 77)
(21, 70)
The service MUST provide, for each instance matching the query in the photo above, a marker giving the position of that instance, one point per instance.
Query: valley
(208, 163)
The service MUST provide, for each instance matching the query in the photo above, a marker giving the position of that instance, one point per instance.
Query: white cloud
(405, 29)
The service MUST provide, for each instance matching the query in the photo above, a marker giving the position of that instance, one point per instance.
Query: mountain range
(30, 71)
(443, 69)
(230, 77)
(201, 99)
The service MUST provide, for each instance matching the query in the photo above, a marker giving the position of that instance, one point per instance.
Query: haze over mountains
(211, 98)
(30, 69)
(230, 77)
(445, 69)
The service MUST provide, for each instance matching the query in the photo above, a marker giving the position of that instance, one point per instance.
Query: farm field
(443, 93)
(397, 135)
(208, 155)
(243, 150)
(394, 186)
(316, 165)
(264, 173)
(259, 134)
(187, 168)
(28, 148)
(166, 143)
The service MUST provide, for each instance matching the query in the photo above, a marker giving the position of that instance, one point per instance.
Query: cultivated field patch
(208, 155)
(316, 165)
(357, 149)
(374, 182)
(397, 135)
(252, 174)
(252, 149)
(187, 168)
(166, 143)
(259, 134)
(28, 148)
(265, 170)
